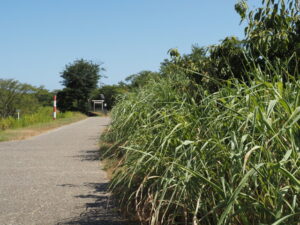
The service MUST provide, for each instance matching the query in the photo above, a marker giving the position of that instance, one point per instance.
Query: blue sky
(39, 37)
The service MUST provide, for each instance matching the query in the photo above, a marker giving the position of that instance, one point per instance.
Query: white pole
(54, 107)
(18, 115)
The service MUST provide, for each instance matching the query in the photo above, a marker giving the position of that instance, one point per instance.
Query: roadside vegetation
(31, 129)
(213, 138)
(42, 115)
(34, 105)
(25, 98)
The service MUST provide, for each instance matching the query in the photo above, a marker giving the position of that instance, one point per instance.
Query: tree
(140, 79)
(80, 79)
(44, 96)
(111, 93)
(15, 95)
(273, 32)
(228, 59)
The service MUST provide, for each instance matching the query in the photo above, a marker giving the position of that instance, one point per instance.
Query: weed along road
(55, 178)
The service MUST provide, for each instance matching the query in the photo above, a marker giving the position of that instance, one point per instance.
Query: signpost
(18, 112)
(105, 108)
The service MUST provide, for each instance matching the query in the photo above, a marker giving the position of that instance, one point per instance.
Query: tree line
(26, 98)
(81, 79)
(271, 41)
(272, 38)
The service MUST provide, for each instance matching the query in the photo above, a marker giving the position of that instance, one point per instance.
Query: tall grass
(43, 115)
(191, 157)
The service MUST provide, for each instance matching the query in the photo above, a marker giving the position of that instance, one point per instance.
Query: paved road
(55, 178)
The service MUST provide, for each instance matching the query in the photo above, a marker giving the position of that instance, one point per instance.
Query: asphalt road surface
(55, 178)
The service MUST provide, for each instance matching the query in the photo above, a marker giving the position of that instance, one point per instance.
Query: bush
(231, 157)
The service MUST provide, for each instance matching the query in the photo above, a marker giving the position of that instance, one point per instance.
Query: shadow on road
(89, 155)
(100, 210)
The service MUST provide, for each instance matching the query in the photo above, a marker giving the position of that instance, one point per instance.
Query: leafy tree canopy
(80, 79)
(19, 96)
(273, 31)
(140, 79)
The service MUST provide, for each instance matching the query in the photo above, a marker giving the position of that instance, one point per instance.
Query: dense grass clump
(191, 157)
(43, 115)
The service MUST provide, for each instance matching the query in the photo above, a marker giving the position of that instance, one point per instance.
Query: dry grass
(33, 130)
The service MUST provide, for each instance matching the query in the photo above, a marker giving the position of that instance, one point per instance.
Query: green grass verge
(42, 115)
(40, 127)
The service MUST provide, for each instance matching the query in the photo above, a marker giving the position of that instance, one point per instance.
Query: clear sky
(39, 37)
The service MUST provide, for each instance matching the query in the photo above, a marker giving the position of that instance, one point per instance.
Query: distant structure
(99, 102)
